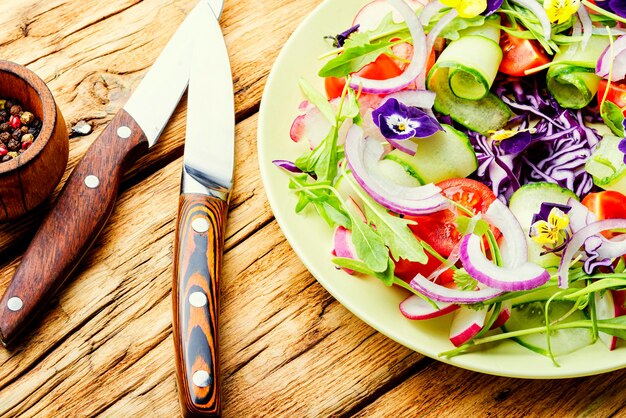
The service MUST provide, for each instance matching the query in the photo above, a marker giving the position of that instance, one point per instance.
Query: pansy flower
(398, 122)
(615, 6)
(549, 226)
(340, 39)
(493, 6)
(593, 260)
(467, 8)
(512, 141)
(560, 11)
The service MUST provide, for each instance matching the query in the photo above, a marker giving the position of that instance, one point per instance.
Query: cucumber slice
(441, 156)
(483, 115)
(564, 341)
(470, 74)
(606, 165)
(525, 202)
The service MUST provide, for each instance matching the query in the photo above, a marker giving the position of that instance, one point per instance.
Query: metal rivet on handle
(198, 299)
(200, 225)
(123, 132)
(92, 181)
(15, 304)
(201, 378)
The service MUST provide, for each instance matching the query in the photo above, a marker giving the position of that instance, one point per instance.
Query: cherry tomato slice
(616, 94)
(520, 55)
(608, 204)
(382, 68)
(406, 270)
(439, 229)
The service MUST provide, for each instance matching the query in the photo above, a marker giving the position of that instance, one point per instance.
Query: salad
(473, 153)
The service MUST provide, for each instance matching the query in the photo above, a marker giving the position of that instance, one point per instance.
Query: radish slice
(418, 60)
(606, 309)
(440, 293)
(503, 316)
(313, 127)
(362, 154)
(415, 307)
(578, 239)
(523, 276)
(370, 15)
(466, 323)
(343, 246)
(619, 60)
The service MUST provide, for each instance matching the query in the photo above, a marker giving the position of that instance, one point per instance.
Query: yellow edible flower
(549, 232)
(560, 10)
(467, 8)
(503, 134)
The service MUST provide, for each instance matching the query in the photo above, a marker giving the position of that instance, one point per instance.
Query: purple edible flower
(622, 147)
(546, 208)
(399, 122)
(341, 38)
(591, 246)
(517, 143)
(492, 6)
(616, 6)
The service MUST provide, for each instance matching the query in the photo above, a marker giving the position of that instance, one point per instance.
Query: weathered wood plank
(457, 392)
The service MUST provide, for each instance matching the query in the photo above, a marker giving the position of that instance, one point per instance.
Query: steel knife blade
(88, 197)
(199, 239)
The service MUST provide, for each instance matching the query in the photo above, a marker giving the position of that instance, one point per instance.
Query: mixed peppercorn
(18, 129)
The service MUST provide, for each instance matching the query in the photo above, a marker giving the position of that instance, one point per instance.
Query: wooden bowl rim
(48, 119)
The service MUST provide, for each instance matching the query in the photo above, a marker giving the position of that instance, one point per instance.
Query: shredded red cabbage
(559, 144)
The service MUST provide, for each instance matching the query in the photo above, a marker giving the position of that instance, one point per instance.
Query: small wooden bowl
(26, 181)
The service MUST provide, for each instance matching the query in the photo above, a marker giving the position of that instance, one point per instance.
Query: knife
(87, 198)
(203, 204)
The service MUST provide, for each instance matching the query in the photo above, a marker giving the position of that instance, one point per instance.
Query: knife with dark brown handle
(198, 252)
(206, 182)
(73, 223)
(88, 197)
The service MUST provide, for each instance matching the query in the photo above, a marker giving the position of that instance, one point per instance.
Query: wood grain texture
(198, 248)
(105, 346)
(72, 224)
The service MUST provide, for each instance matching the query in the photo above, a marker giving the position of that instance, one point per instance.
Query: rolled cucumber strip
(483, 115)
(473, 63)
(572, 79)
(606, 165)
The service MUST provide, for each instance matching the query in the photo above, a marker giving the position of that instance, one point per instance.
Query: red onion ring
(418, 60)
(619, 60)
(443, 294)
(578, 239)
(362, 153)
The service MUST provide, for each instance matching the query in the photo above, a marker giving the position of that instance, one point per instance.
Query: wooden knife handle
(73, 223)
(198, 252)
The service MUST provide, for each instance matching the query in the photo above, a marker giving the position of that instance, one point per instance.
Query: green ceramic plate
(310, 237)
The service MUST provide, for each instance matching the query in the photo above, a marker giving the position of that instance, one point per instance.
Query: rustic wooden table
(288, 348)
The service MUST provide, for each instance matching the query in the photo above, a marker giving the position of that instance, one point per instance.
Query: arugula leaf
(613, 117)
(327, 204)
(387, 276)
(393, 229)
(389, 28)
(333, 213)
(318, 100)
(369, 245)
(355, 57)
